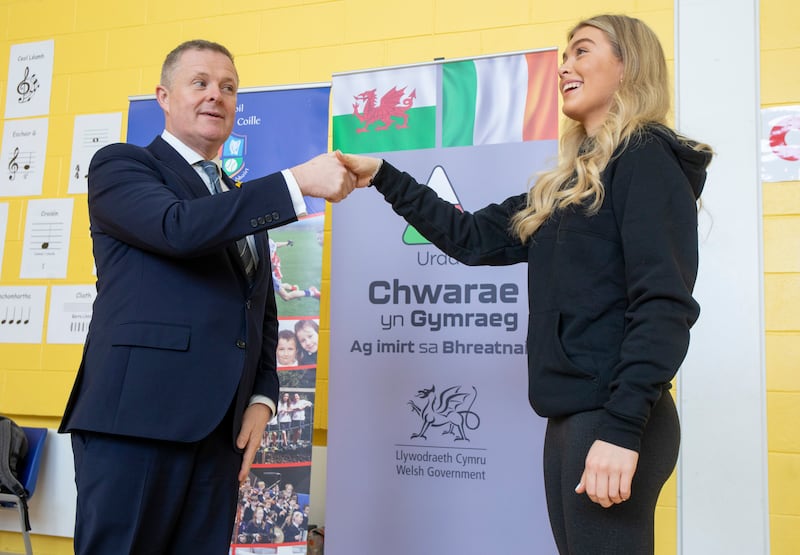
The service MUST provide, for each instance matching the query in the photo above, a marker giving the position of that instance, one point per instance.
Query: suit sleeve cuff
(294, 191)
(264, 400)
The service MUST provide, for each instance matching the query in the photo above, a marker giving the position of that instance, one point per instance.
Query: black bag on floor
(13, 449)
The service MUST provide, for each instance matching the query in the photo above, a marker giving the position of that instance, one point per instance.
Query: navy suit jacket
(177, 333)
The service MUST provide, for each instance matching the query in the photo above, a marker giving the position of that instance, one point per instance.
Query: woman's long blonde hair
(642, 99)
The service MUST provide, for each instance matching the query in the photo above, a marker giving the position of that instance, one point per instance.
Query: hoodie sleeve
(480, 238)
(656, 211)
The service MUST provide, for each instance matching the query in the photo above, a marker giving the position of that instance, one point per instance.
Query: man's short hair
(197, 44)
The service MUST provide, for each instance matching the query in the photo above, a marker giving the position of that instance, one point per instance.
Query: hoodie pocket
(557, 386)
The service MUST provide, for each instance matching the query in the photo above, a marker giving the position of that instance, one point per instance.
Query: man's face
(199, 102)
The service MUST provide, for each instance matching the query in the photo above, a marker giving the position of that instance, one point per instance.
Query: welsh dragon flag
(491, 100)
(385, 110)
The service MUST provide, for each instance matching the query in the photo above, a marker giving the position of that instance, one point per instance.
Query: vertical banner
(432, 445)
(276, 129)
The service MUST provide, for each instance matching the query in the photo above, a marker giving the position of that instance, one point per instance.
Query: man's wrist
(295, 193)
(263, 400)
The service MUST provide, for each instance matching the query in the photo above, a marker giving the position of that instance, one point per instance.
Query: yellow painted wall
(106, 51)
(780, 86)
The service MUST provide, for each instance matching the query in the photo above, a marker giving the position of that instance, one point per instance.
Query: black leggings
(582, 527)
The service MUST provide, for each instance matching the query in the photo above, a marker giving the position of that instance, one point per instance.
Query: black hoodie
(610, 294)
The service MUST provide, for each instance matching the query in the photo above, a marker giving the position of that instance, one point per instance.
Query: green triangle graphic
(413, 237)
(439, 182)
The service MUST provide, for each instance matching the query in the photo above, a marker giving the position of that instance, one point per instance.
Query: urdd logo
(452, 408)
(439, 182)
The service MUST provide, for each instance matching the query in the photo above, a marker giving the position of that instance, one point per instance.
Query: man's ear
(162, 96)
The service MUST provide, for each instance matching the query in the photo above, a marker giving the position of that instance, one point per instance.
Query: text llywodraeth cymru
(460, 466)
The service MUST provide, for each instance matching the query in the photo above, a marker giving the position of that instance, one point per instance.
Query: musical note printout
(3, 227)
(30, 79)
(70, 313)
(45, 247)
(22, 314)
(22, 157)
(91, 133)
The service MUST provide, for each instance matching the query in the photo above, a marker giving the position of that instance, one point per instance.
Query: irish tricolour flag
(500, 99)
(385, 110)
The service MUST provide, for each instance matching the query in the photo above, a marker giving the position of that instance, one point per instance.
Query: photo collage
(274, 502)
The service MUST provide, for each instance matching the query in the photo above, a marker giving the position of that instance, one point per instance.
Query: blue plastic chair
(28, 476)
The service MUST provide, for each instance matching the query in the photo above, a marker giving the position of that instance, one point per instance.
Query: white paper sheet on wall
(91, 133)
(23, 156)
(70, 313)
(780, 144)
(45, 248)
(30, 79)
(22, 314)
(3, 228)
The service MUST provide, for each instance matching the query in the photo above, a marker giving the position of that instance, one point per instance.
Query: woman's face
(589, 76)
(308, 339)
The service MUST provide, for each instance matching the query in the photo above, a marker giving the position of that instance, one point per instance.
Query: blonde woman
(610, 237)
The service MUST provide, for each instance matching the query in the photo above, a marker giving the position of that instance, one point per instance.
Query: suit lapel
(177, 164)
(196, 187)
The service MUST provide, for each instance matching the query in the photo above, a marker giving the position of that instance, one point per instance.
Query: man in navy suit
(178, 378)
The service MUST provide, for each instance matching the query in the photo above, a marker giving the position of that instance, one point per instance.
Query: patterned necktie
(244, 249)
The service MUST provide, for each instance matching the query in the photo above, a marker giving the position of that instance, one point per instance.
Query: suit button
(248, 304)
(261, 220)
(241, 343)
(253, 223)
(275, 216)
(268, 218)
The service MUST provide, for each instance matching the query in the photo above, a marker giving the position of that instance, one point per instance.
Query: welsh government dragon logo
(452, 408)
(392, 105)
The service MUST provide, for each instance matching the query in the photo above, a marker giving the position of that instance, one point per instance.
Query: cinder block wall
(108, 51)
